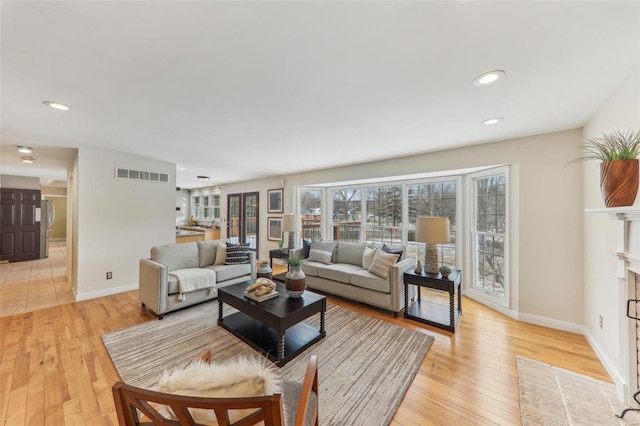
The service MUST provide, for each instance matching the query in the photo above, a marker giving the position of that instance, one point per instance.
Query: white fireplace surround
(628, 266)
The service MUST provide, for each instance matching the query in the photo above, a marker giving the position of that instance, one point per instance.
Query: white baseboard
(621, 385)
(106, 292)
(551, 323)
(490, 304)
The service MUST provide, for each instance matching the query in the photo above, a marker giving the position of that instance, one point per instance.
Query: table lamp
(292, 223)
(432, 231)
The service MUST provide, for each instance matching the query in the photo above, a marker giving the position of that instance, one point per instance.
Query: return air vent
(141, 175)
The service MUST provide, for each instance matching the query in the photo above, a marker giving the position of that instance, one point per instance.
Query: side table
(434, 314)
(278, 254)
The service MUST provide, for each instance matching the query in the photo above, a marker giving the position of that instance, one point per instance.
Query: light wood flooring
(54, 369)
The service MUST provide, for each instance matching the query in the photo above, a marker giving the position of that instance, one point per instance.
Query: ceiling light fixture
(182, 168)
(29, 160)
(488, 78)
(56, 105)
(203, 178)
(492, 120)
(25, 149)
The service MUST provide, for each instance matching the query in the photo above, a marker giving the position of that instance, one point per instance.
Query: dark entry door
(242, 215)
(19, 231)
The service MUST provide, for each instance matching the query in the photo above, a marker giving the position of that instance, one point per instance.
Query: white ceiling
(243, 90)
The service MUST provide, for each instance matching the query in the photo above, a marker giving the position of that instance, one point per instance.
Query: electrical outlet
(600, 322)
(110, 275)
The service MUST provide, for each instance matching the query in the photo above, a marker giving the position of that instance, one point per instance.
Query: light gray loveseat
(159, 291)
(345, 272)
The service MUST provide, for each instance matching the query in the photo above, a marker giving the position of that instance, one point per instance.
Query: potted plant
(444, 271)
(620, 169)
(295, 278)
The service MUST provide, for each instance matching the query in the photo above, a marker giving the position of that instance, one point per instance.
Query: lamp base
(292, 240)
(431, 259)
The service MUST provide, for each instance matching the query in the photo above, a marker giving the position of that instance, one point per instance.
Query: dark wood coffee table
(273, 327)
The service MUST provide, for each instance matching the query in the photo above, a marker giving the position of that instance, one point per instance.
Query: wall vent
(121, 173)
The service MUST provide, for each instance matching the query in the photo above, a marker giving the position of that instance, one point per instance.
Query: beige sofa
(160, 291)
(347, 274)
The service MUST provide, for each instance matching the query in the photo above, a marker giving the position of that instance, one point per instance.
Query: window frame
(472, 289)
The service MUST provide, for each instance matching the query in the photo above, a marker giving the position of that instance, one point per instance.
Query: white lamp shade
(291, 223)
(432, 230)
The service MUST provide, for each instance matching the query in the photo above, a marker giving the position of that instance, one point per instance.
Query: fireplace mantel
(628, 270)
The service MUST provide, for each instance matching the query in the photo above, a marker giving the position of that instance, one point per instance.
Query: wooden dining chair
(137, 406)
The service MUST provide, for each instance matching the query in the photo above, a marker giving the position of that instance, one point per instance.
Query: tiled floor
(30, 285)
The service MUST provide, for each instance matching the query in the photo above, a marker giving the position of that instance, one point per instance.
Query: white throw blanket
(193, 279)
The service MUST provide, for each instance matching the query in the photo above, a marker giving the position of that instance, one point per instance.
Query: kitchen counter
(189, 236)
(208, 233)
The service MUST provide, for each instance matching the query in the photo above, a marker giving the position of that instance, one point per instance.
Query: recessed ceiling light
(488, 78)
(492, 120)
(182, 168)
(56, 105)
(27, 159)
(25, 149)
(203, 178)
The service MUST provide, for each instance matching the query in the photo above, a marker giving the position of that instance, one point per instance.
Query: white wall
(546, 202)
(620, 112)
(118, 220)
(19, 182)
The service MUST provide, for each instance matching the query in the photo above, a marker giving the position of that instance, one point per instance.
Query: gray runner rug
(366, 365)
(551, 395)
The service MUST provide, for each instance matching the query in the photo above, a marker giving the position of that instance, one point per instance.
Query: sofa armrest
(296, 252)
(252, 262)
(153, 287)
(397, 282)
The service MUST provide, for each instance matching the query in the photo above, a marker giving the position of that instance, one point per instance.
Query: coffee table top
(281, 306)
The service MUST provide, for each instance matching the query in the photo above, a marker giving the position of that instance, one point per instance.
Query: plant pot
(619, 182)
(295, 282)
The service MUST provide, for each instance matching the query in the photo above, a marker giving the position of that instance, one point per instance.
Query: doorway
(243, 219)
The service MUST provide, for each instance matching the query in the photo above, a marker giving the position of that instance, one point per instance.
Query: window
(489, 227)
(347, 209)
(384, 215)
(205, 207)
(311, 213)
(438, 199)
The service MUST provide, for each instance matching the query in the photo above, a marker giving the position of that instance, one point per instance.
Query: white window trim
(471, 290)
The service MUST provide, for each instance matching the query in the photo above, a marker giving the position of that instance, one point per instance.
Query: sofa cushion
(172, 284)
(382, 263)
(310, 267)
(237, 254)
(176, 256)
(367, 257)
(350, 253)
(366, 279)
(337, 272)
(227, 272)
(207, 252)
(321, 251)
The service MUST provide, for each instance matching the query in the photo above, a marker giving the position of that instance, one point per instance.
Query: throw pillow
(240, 377)
(306, 246)
(237, 254)
(321, 251)
(393, 250)
(382, 263)
(367, 257)
(221, 254)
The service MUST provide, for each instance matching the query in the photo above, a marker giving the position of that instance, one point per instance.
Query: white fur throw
(240, 377)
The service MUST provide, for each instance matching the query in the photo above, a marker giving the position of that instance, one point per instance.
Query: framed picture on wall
(274, 201)
(274, 228)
